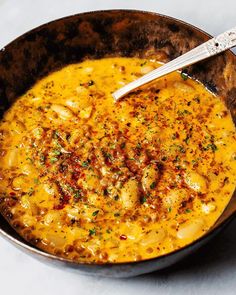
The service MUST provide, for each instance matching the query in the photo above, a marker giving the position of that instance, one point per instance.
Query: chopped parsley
(30, 191)
(29, 159)
(36, 180)
(143, 200)
(95, 213)
(116, 197)
(53, 160)
(92, 231)
(56, 152)
(153, 185)
(188, 211)
(184, 76)
(122, 146)
(186, 140)
(107, 155)
(180, 148)
(77, 194)
(85, 164)
(56, 134)
(42, 159)
(138, 146)
(183, 112)
(210, 146)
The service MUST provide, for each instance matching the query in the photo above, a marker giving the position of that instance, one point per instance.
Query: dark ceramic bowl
(104, 34)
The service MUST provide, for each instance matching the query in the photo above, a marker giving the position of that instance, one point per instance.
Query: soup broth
(94, 180)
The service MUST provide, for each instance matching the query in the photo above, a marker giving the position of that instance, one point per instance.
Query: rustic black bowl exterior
(106, 34)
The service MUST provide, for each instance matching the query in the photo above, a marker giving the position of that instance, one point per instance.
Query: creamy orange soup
(92, 180)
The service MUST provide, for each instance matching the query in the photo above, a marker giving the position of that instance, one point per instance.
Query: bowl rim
(33, 249)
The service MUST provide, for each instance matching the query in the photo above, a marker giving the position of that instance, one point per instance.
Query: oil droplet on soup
(92, 180)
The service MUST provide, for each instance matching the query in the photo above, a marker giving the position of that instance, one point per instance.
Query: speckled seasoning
(93, 180)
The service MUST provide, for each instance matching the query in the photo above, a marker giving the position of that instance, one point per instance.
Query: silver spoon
(210, 48)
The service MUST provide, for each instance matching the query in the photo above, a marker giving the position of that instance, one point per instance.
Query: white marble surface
(213, 269)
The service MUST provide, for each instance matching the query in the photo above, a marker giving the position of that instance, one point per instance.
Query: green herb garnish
(95, 213)
(183, 112)
(186, 140)
(92, 232)
(85, 164)
(55, 134)
(210, 146)
(53, 160)
(56, 152)
(184, 76)
(77, 194)
(153, 185)
(122, 146)
(36, 180)
(31, 191)
(29, 159)
(143, 200)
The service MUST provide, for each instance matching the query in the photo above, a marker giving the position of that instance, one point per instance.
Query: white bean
(72, 213)
(91, 180)
(189, 230)
(208, 208)
(150, 177)
(19, 183)
(28, 220)
(174, 197)
(81, 90)
(50, 188)
(153, 237)
(37, 132)
(196, 181)
(146, 69)
(17, 127)
(11, 157)
(129, 194)
(88, 70)
(73, 103)
(183, 87)
(25, 201)
(86, 112)
(28, 169)
(55, 240)
(62, 111)
(52, 217)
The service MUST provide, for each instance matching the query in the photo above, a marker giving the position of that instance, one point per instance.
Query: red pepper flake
(64, 200)
(59, 207)
(123, 237)
(12, 194)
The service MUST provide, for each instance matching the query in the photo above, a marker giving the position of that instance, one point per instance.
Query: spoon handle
(210, 48)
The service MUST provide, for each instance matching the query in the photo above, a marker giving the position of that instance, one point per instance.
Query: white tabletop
(213, 269)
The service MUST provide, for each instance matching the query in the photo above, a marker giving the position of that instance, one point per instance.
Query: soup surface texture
(92, 180)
